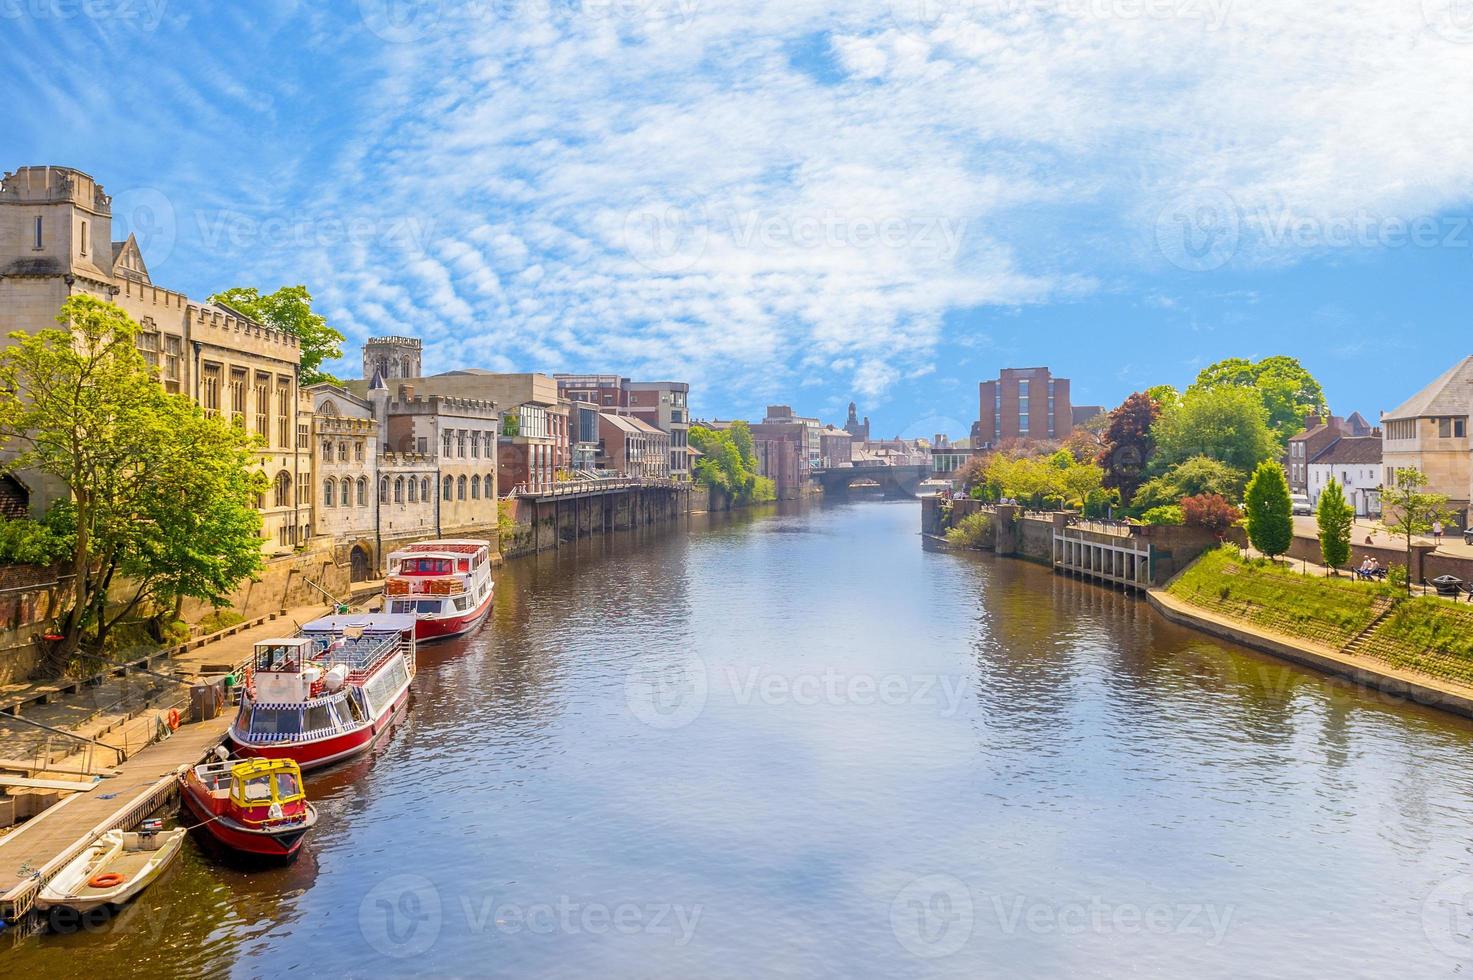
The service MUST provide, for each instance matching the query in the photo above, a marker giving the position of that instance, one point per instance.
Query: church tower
(392, 358)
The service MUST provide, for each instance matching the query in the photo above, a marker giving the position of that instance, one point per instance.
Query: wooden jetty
(37, 849)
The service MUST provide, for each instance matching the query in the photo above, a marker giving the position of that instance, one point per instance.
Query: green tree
(80, 406)
(289, 309)
(1228, 424)
(1269, 509)
(1409, 509)
(1127, 444)
(728, 464)
(1288, 392)
(1334, 518)
(1205, 475)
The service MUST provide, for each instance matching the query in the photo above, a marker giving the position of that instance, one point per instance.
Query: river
(798, 741)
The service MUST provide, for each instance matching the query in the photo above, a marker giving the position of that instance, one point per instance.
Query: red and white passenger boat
(328, 693)
(445, 585)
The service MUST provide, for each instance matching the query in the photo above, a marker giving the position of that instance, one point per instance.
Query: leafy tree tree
(1228, 424)
(1288, 392)
(1205, 475)
(1334, 518)
(1163, 395)
(1128, 443)
(1211, 511)
(1409, 509)
(81, 406)
(290, 309)
(1170, 514)
(1269, 509)
(728, 463)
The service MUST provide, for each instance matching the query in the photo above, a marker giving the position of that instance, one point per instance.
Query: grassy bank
(1429, 635)
(1325, 610)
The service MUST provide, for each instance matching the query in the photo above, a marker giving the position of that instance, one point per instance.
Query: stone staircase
(1356, 645)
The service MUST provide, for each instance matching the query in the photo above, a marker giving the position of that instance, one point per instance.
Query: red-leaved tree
(1211, 511)
(1127, 445)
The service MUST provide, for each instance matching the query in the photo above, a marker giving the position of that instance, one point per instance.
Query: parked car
(1301, 504)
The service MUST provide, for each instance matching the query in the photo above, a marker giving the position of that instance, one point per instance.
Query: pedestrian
(1437, 532)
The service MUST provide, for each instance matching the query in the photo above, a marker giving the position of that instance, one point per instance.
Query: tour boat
(257, 807)
(445, 585)
(113, 869)
(328, 693)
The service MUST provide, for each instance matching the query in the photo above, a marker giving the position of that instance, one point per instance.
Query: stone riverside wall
(1031, 536)
(547, 523)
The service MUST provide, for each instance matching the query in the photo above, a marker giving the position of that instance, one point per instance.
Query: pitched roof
(1450, 394)
(1355, 450)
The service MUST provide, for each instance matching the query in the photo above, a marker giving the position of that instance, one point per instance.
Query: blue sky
(793, 200)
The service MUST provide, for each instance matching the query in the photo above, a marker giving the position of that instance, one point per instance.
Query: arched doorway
(359, 567)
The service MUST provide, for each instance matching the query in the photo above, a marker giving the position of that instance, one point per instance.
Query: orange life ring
(173, 719)
(109, 880)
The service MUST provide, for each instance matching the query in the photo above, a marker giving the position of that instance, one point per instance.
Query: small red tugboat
(329, 693)
(445, 585)
(255, 807)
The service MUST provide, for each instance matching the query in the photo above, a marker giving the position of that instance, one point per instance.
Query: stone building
(393, 358)
(665, 405)
(441, 446)
(345, 438)
(858, 431)
(1429, 432)
(56, 242)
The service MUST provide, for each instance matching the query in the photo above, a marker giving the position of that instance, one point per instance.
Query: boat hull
(70, 888)
(429, 630)
(326, 751)
(281, 845)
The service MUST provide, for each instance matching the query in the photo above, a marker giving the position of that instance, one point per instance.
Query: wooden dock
(32, 853)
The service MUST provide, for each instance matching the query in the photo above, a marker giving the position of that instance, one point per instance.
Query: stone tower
(392, 357)
(852, 425)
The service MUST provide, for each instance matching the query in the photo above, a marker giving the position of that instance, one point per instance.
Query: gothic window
(358, 451)
(212, 389)
(424, 490)
(263, 405)
(283, 489)
(449, 489)
(237, 380)
(38, 241)
(476, 487)
(362, 491)
(414, 491)
(342, 452)
(327, 451)
(347, 492)
(84, 238)
(399, 490)
(383, 490)
(460, 444)
(446, 450)
(283, 413)
(327, 493)
(460, 489)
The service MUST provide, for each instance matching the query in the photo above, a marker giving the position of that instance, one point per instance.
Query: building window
(362, 491)
(212, 389)
(263, 405)
(476, 487)
(460, 489)
(327, 493)
(148, 344)
(448, 490)
(283, 489)
(490, 486)
(425, 491)
(358, 451)
(283, 413)
(173, 359)
(445, 451)
(460, 444)
(383, 491)
(342, 452)
(84, 238)
(399, 490)
(475, 445)
(327, 451)
(1022, 425)
(1452, 428)
(304, 436)
(38, 241)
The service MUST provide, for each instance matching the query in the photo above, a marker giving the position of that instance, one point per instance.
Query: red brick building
(1024, 405)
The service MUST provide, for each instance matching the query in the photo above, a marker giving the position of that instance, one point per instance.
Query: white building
(1355, 462)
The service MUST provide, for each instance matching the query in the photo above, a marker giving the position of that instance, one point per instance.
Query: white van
(1301, 504)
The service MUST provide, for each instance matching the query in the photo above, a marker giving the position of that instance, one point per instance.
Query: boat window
(353, 708)
(318, 717)
(257, 788)
(276, 721)
(243, 720)
(287, 785)
(424, 606)
(461, 603)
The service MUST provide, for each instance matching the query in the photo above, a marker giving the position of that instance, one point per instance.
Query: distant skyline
(801, 202)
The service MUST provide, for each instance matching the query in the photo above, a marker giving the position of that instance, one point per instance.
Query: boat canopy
(367, 622)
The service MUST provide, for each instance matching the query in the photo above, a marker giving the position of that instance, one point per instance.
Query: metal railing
(574, 488)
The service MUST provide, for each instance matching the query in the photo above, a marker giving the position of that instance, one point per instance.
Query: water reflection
(799, 741)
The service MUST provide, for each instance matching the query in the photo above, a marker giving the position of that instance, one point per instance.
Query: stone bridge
(896, 481)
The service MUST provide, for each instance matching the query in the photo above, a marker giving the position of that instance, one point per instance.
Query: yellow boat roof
(257, 766)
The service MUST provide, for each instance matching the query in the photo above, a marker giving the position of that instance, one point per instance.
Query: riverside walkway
(133, 787)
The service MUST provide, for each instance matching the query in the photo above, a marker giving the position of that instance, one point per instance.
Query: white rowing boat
(112, 870)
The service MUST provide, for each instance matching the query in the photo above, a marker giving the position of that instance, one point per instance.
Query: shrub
(1157, 516)
(973, 531)
(219, 619)
(1210, 511)
(1270, 512)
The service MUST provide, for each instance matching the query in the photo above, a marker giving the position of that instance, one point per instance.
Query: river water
(800, 742)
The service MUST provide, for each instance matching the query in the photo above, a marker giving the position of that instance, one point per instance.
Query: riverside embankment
(770, 742)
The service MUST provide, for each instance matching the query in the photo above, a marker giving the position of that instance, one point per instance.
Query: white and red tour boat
(328, 693)
(445, 585)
